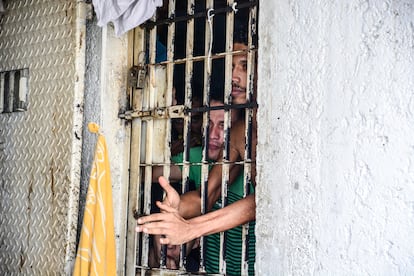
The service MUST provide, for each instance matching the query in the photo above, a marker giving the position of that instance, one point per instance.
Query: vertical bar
(170, 51)
(170, 74)
(16, 89)
(135, 189)
(2, 86)
(149, 103)
(249, 122)
(206, 118)
(188, 103)
(227, 127)
(23, 90)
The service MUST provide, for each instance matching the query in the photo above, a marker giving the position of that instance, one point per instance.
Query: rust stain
(28, 224)
(22, 260)
(30, 191)
(52, 181)
(80, 40)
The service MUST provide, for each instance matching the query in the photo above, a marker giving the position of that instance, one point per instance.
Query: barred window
(193, 110)
(14, 85)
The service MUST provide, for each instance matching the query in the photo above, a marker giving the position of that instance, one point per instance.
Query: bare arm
(190, 202)
(225, 218)
(177, 230)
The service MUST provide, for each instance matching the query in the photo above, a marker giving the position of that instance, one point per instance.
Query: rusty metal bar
(200, 58)
(227, 127)
(178, 111)
(198, 14)
(170, 76)
(249, 123)
(187, 119)
(148, 127)
(134, 190)
(209, 22)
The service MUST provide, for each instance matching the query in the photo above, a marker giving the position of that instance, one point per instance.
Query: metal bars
(153, 108)
(14, 86)
(251, 65)
(206, 117)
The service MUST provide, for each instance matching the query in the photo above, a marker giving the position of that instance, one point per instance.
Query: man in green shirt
(181, 220)
(235, 192)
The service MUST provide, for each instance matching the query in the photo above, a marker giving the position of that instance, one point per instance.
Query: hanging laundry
(125, 14)
(96, 250)
(1, 7)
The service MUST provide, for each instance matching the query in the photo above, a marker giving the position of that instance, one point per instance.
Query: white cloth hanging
(125, 14)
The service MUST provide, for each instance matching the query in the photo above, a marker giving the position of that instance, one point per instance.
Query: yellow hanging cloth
(96, 250)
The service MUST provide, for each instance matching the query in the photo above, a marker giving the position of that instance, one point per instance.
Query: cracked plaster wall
(335, 191)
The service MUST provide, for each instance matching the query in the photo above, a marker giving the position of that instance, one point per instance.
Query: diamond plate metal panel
(38, 147)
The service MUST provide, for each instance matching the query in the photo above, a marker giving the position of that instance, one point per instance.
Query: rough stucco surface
(335, 164)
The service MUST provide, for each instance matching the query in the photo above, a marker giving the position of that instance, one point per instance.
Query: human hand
(174, 228)
(172, 198)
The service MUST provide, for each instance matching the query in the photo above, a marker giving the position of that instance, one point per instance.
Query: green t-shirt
(233, 241)
(195, 156)
(233, 236)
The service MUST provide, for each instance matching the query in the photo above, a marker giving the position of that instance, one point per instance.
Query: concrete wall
(105, 97)
(335, 162)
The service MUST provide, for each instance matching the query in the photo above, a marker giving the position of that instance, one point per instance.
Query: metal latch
(176, 111)
(136, 76)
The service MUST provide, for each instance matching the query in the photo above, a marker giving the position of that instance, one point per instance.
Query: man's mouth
(213, 146)
(237, 90)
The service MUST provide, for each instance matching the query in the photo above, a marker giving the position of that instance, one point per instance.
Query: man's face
(216, 131)
(239, 74)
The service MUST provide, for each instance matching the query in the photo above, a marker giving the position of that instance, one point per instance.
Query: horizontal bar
(179, 111)
(173, 19)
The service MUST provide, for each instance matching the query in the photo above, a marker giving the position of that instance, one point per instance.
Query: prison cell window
(189, 60)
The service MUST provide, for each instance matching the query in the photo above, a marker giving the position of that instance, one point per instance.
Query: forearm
(178, 230)
(233, 215)
(190, 205)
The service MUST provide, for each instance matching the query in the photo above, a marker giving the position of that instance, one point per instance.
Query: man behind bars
(181, 220)
(215, 147)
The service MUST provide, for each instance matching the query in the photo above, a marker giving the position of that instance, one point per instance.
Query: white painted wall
(335, 161)
(105, 97)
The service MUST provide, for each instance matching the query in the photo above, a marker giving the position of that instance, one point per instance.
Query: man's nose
(235, 75)
(214, 132)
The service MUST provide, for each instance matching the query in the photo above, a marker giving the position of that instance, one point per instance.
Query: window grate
(14, 87)
(189, 53)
